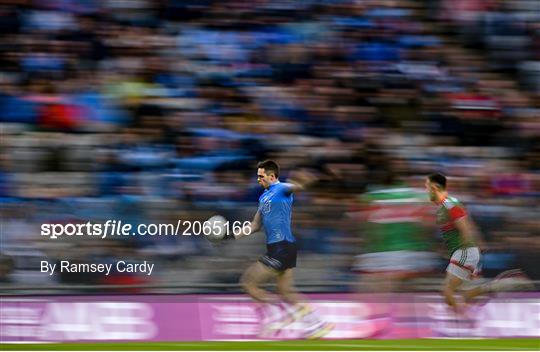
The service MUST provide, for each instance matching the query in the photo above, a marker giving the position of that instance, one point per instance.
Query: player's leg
(506, 281)
(285, 288)
(294, 303)
(450, 285)
(474, 292)
(300, 309)
(510, 280)
(285, 254)
(298, 302)
(253, 277)
(463, 267)
(376, 272)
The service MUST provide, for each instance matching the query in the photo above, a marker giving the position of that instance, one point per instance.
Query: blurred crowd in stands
(154, 111)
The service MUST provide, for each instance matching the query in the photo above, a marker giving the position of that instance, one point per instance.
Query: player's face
(265, 179)
(431, 190)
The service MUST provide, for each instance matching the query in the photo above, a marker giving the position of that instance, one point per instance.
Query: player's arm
(254, 226)
(300, 180)
(469, 231)
(461, 221)
(465, 228)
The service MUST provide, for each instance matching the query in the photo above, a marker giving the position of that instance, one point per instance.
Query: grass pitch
(296, 345)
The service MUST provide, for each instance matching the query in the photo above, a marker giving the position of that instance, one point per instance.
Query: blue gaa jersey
(275, 207)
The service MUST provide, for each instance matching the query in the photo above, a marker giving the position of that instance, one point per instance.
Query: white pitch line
(391, 347)
(199, 350)
(354, 347)
(400, 347)
(427, 348)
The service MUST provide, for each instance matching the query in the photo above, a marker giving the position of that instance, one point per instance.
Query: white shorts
(464, 263)
(395, 261)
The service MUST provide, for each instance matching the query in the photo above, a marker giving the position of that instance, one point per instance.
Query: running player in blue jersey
(274, 214)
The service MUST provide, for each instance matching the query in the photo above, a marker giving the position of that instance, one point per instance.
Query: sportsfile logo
(120, 228)
(102, 230)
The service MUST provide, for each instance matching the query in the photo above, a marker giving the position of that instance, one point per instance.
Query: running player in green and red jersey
(460, 237)
(396, 246)
(396, 243)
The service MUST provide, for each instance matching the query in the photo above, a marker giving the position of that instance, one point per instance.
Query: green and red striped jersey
(449, 211)
(394, 219)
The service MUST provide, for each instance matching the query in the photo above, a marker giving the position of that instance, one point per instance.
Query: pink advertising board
(233, 317)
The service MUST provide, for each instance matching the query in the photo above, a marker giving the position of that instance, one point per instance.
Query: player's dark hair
(438, 179)
(269, 166)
